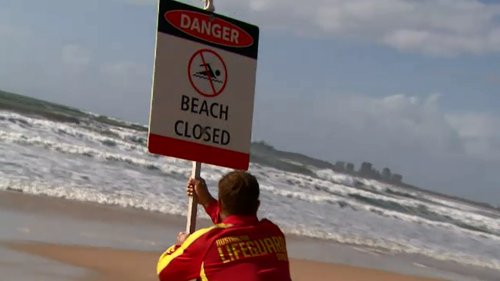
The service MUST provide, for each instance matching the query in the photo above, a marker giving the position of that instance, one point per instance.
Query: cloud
(75, 55)
(75, 59)
(493, 78)
(13, 37)
(142, 2)
(431, 27)
(480, 134)
(72, 73)
(458, 153)
(126, 74)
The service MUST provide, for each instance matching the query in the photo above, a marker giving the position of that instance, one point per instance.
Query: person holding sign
(240, 246)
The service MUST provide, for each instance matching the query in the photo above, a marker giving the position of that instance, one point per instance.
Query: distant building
(344, 167)
(365, 169)
(375, 174)
(349, 168)
(340, 166)
(386, 174)
(396, 178)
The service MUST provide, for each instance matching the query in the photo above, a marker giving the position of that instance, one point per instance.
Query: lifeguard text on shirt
(204, 85)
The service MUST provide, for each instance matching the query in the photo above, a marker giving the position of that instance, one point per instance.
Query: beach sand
(99, 243)
(126, 265)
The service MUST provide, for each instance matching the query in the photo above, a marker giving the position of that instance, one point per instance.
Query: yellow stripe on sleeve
(203, 276)
(167, 257)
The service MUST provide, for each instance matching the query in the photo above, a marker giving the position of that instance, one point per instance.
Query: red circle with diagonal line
(207, 73)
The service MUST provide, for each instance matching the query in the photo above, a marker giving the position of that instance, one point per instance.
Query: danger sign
(207, 73)
(203, 87)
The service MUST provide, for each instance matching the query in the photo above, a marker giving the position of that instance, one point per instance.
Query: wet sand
(58, 239)
(127, 265)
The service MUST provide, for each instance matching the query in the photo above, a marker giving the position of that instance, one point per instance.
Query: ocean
(58, 151)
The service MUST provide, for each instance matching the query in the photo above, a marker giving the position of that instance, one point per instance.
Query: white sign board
(204, 86)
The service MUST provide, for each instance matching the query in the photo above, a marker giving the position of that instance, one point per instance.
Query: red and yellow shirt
(239, 248)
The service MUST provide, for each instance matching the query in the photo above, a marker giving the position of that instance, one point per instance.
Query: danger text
(208, 28)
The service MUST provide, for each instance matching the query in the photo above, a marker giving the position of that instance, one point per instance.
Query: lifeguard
(239, 247)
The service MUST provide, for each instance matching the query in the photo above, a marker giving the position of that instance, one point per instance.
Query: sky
(411, 85)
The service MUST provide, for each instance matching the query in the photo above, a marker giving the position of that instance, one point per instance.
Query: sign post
(193, 201)
(203, 89)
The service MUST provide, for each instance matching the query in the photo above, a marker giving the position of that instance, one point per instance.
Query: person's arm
(183, 262)
(205, 199)
(213, 211)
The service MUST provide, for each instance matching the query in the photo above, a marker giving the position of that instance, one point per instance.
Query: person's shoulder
(267, 221)
(209, 231)
(270, 224)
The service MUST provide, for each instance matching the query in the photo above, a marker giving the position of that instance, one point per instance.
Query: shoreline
(100, 226)
(14, 200)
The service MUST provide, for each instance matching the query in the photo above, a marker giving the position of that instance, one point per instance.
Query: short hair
(239, 193)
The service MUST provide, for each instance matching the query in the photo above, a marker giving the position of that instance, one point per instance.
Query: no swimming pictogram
(207, 73)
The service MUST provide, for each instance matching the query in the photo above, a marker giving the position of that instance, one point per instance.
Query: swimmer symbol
(207, 73)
